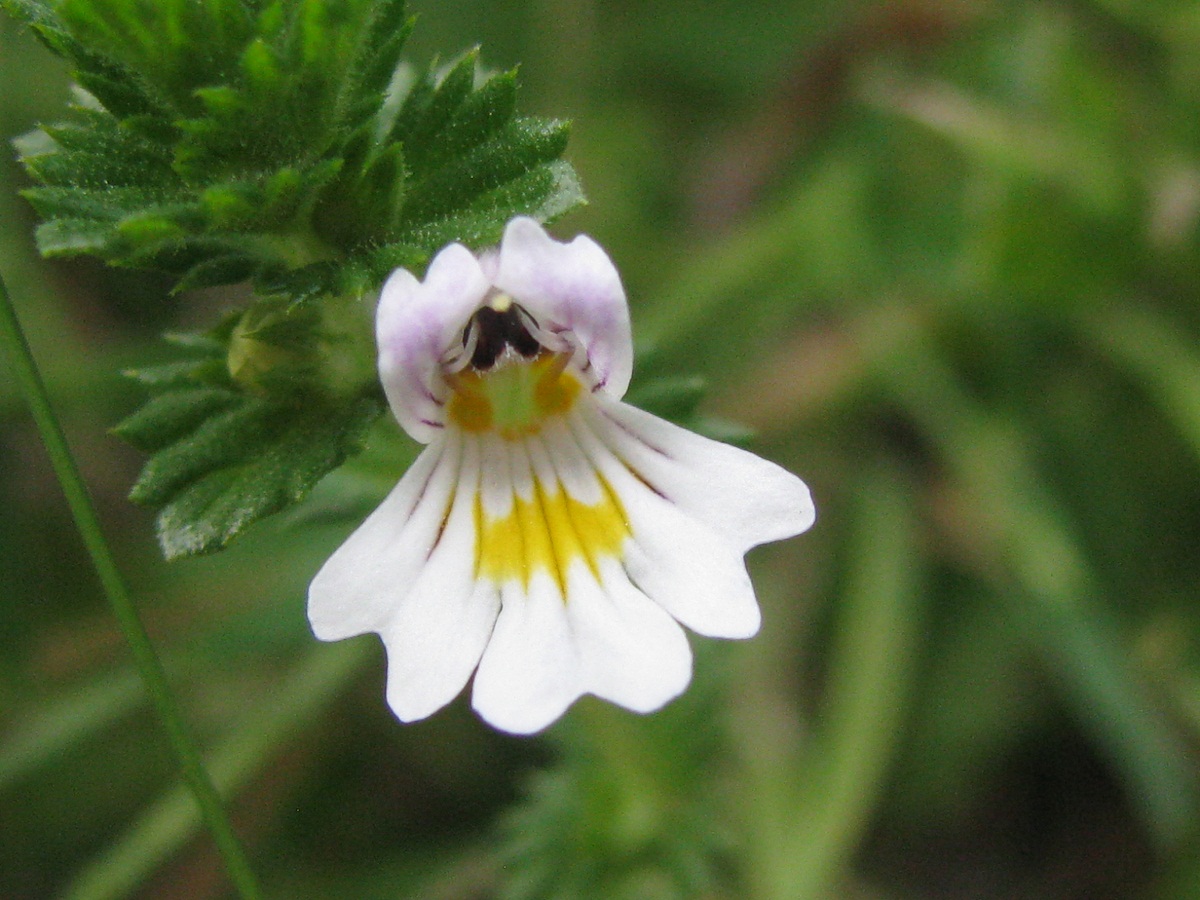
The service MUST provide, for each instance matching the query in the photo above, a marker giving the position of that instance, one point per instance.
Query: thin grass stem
(179, 738)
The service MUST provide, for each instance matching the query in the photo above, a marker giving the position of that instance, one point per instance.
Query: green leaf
(43, 734)
(544, 193)
(632, 808)
(225, 141)
(280, 144)
(255, 460)
(168, 823)
(522, 147)
(239, 431)
(173, 415)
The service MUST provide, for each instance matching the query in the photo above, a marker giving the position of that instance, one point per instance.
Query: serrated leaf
(478, 116)
(168, 417)
(264, 71)
(387, 35)
(186, 374)
(111, 204)
(304, 284)
(544, 193)
(270, 142)
(72, 237)
(118, 93)
(217, 270)
(287, 453)
(419, 128)
(149, 229)
(98, 153)
(223, 456)
(521, 147)
(271, 149)
(213, 443)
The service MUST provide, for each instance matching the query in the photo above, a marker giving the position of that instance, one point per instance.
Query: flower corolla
(550, 538)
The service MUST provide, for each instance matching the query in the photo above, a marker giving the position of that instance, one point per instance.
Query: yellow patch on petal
(547, 533)
(515, 398)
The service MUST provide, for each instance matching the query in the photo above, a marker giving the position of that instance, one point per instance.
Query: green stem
(268, 722)
(146, 659)
(870, 679)
(835, 784)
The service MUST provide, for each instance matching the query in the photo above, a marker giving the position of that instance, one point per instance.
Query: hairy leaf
(285, 144)
(224, 141)
(230, 447)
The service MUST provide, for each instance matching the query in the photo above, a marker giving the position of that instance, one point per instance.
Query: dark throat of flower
(496, 328)
(511, 382)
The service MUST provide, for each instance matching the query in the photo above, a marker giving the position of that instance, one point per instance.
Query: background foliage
(943, 258)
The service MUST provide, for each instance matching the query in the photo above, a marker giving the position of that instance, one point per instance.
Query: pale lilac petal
(372, 572)
(743, 497)
(571, 287)
(695, 573)
(435, 637)
(416, 323)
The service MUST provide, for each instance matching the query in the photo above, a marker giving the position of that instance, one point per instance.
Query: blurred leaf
(807, 819)
(270, 720)
(1034, 558)
(1160, 355)
(65, 721)
(1004, 140)
(629, 810)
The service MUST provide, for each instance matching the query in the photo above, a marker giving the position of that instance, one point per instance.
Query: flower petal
(529, 673)
(435, 638)
(631, 652)
(571, 287)
(742, 496)
(555, 559)
(694, 572)
(371, 573)
(415, 324)
(688, 569)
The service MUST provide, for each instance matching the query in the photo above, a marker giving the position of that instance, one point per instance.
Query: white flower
(551, 539)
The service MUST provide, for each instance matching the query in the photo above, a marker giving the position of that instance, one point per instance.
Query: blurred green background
(942, 259)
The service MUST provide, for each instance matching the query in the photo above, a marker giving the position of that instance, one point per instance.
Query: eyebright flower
(550, 538)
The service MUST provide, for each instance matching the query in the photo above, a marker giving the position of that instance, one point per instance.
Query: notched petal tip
(436, 644)
(631, 651)
(574, 287)
(529, 673)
